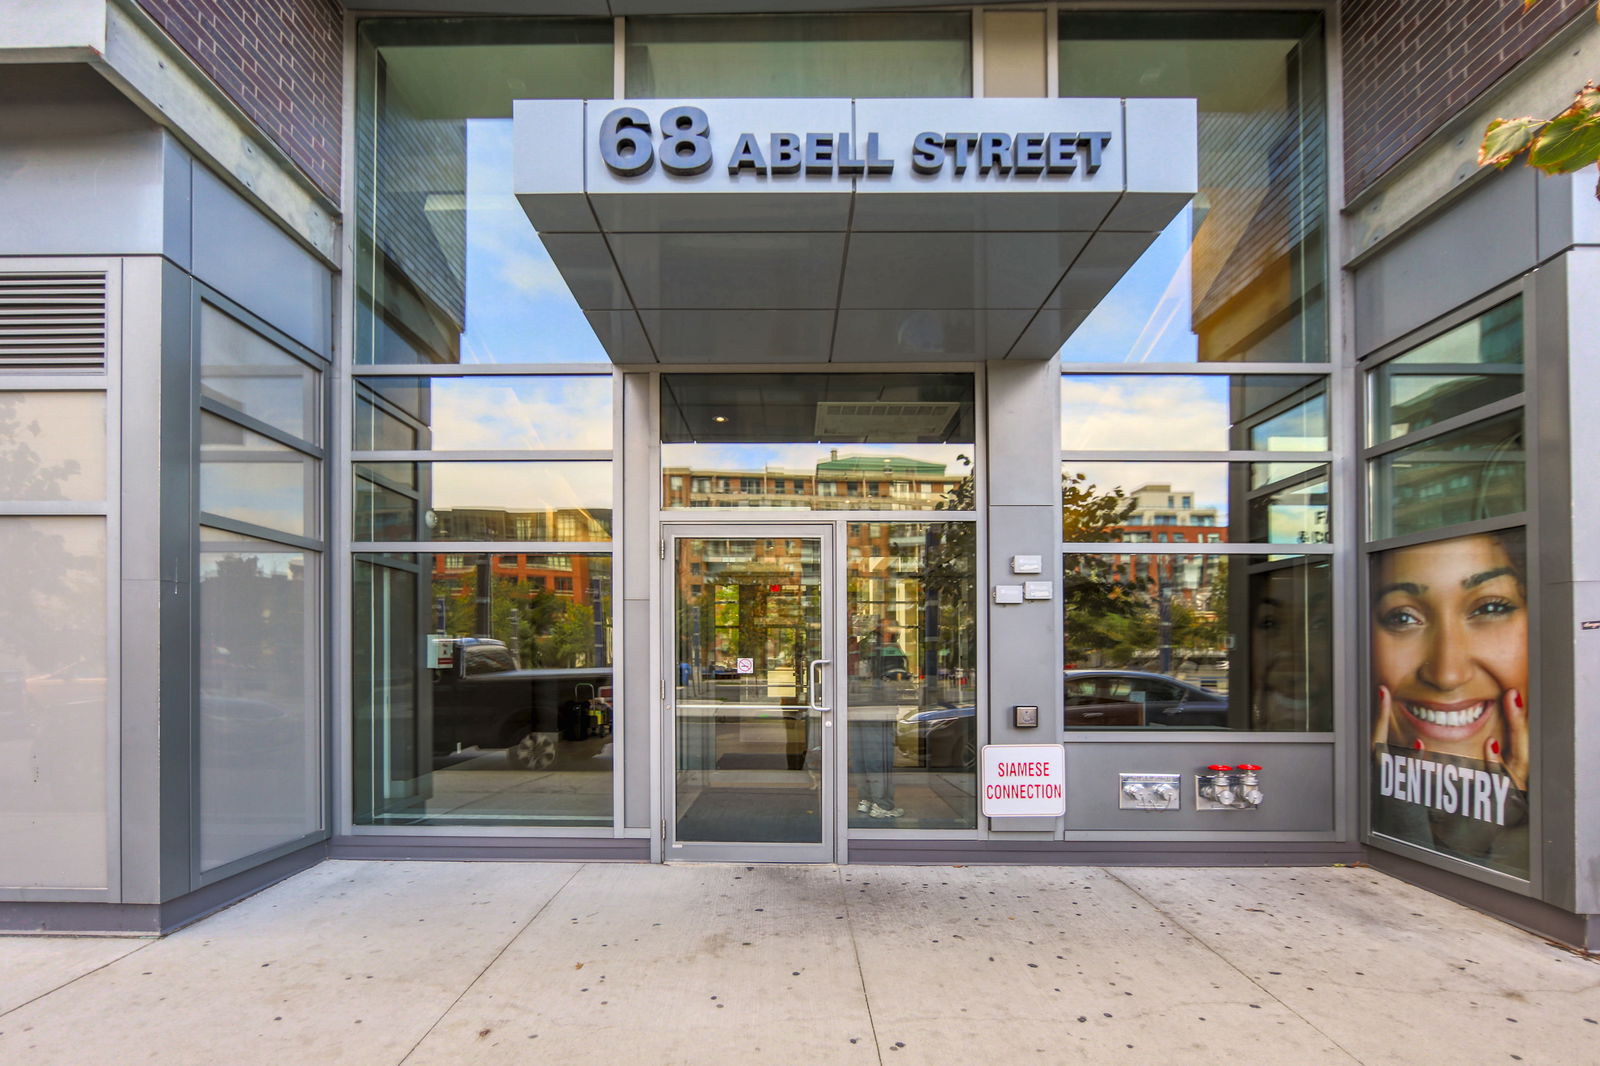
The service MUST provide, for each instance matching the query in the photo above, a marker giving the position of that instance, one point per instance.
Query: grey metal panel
(83, 171)
(1296, 778)
(1024, 518)
(1569, 213)
(155, 318)
(1449, 259)
(922, 334)
(177, 211)
(983, 270)
(485, 7)
(172, 714)
(686, 271)
(1569, 436)
(1024, 401)
(243, 255)
(639, 697)
(738, 335)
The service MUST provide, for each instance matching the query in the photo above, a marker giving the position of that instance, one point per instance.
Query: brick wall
(1409, 65)
(281, 61)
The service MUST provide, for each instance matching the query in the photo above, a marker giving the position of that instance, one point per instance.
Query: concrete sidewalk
(444, 963)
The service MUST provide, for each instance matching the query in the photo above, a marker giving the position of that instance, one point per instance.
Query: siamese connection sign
(1024, 780)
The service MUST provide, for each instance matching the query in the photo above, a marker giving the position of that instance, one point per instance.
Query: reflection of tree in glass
(252, 640)
(23, 475)
(545, 630)
(949, 554)
(1106, 607)
(40, 624)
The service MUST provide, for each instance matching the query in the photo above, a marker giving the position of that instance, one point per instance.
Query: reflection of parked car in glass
(947, 736)
(483, 700)
(1136, 698)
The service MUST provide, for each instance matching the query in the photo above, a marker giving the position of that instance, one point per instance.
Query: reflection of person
(1450, 660)
(872, 731)
(1290, 667)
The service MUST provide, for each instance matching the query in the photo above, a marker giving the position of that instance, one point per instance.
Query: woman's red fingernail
(1417, 744)
(1494, 746)
(1516, 697)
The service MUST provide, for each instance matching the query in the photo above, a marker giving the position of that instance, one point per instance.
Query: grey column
(1023, 516)
(637, 453)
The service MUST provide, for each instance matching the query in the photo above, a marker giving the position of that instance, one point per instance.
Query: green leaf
(1505, 138)
(1570, 142)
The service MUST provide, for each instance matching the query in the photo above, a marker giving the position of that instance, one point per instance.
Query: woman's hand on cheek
(1514, 712)
(1385, 729)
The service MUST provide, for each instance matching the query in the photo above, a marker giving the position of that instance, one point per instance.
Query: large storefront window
(1168, 624)
(1240, 274)
(483, 692)
(1453, 718)
(481, 671)
(448, 268)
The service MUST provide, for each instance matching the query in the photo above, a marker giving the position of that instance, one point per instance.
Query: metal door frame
(834, 784)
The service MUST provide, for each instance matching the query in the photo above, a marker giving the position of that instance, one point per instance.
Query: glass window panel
(1203, 642)
(1477, 363)
(483, 689)
(484, 413)
(260, 701)
(1194, 503)
(912, 600)
(871, 55)
(1293, 509)
(1240, 274)
(1475, 472)
(449, 270)
(53, 814)
(1177, 412)
(468, 501)
(251, 478)
(241, 368)
(821, 441)
(52, 446)
(380, 428)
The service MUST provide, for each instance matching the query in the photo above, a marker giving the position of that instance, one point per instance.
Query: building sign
(686, 145)
(1024, 780)
(1451, 737)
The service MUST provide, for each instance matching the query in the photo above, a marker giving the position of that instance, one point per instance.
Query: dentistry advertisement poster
(1451, 717)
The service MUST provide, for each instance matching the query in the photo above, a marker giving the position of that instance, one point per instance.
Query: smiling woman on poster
(1450, 729)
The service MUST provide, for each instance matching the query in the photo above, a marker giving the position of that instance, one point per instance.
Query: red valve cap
(1248, 768)
(1220, 769)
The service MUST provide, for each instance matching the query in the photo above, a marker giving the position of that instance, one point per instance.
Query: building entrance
(752, 700)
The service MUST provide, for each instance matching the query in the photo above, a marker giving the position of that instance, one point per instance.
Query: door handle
(814, 676)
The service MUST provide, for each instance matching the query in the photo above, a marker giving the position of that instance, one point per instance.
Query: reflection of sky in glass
(803, 458)
(519, 309)
(520, 486)
(1126, 412)
(1146, 317)
(271, 495)
(268, 564)
(485, 413)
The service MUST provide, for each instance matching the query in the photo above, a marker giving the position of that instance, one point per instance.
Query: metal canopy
(834, 263)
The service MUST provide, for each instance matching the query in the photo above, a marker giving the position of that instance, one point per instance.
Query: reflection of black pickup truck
(482, 700)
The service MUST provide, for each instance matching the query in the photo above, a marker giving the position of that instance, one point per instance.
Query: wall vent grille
(53, 322)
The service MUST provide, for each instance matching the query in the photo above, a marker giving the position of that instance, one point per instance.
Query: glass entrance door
(752, 695)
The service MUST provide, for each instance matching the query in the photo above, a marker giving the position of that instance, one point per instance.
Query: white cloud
(1144, 413)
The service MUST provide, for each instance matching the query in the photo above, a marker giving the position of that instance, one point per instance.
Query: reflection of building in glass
(498, 523)
(851, 482)
(1162, 514)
